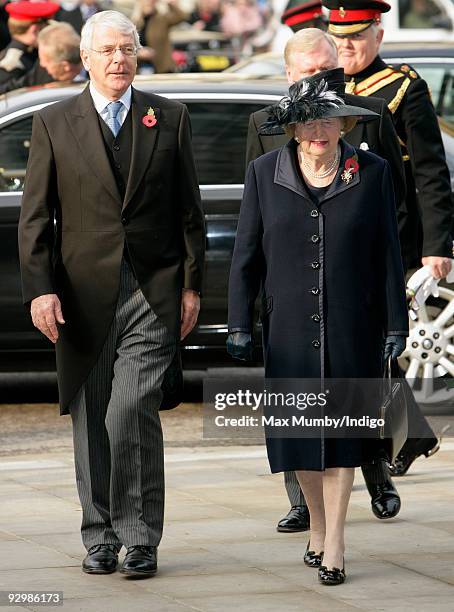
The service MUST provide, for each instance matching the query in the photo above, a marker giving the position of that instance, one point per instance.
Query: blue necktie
(112, 116)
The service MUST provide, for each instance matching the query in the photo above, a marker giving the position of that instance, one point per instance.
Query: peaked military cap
(352, 16)
(31, 11)
(299, 14)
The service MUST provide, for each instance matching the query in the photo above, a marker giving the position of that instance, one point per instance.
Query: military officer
(309, 51)
(426, 237)
(59, 59)
(25, 21)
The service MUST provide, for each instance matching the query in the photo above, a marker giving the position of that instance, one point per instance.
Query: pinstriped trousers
(118, 445)
(294, 492)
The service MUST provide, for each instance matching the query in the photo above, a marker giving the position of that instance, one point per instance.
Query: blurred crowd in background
(39, 40)
(248, 26)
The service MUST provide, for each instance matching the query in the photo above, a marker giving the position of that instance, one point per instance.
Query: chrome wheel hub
(429, 354)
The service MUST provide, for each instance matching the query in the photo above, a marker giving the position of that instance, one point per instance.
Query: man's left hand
(441, 266)
(190, 306)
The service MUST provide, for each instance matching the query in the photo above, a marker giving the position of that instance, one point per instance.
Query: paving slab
(221, 551)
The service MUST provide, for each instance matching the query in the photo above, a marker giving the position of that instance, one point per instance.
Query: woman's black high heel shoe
(331, 576)
(311, 559)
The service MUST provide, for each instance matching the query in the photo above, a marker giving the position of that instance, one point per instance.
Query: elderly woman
(317, 234)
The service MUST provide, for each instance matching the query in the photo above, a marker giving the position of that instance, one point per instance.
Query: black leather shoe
(296, 520)
(101, 559)
(140, 562)
(312, 559)
(332, 576)
(384, 499)
(410, 452)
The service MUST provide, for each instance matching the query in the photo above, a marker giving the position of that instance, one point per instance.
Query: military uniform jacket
(428, 226)
(36, 76)
(15, 60)
(377, 136)
(70, 180)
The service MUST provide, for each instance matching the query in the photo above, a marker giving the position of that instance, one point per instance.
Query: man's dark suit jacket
(379, 135)
(160, 222)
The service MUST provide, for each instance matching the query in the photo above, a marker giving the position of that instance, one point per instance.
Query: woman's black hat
(314, 97)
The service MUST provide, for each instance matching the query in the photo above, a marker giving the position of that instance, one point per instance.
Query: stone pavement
(220, 550)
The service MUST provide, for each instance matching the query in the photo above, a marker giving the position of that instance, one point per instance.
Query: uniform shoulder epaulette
(406, 70)
(12, 60)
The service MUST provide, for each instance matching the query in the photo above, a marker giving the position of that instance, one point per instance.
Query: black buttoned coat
(331, 277)
(75, 225)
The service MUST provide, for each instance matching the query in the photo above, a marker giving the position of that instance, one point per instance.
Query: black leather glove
(394, 346)
(240, 346)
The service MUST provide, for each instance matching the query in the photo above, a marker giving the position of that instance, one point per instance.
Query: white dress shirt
(101, 103)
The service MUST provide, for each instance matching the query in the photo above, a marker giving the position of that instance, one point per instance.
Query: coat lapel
(286, 173)
(143, 143)
(84, 123)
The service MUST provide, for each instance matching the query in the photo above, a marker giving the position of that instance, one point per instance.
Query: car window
(14, 149)
(219, 133)
(423, 14)
(440, 80)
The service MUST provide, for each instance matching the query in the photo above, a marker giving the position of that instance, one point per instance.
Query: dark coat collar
(287, 173)
(377, 65)
(84, 123)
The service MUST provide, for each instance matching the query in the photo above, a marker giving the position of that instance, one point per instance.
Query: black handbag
(393, 412)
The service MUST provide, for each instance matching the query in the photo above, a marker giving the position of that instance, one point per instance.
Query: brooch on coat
(149, 120)
(350, 168)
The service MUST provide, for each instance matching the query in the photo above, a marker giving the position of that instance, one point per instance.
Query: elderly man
(26, 20)
(309, 51)
(111, 240)
(59, 59)
(426, 237)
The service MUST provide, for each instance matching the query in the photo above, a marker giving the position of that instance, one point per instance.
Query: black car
(219, 106)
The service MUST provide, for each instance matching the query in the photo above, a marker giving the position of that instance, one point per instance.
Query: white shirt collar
(101, 102)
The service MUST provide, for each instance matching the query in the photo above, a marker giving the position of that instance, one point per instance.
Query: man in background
(426, 237)
(59, 59)
(26, 20)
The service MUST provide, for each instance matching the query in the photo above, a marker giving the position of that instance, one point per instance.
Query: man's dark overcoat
(331, 277)
(74, 226)
(379, 136)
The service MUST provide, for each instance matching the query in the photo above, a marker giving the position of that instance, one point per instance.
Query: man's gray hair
(307, 40)
(107, 19)
(61, 41)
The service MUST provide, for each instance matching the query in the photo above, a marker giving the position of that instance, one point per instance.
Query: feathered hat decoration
(321, 95)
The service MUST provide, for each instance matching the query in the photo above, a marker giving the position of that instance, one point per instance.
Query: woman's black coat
(331, 276)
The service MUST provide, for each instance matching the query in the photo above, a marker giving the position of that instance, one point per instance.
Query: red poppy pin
(351, 167)
(149, 120)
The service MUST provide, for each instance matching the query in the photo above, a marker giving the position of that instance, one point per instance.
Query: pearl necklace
(321, 175)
